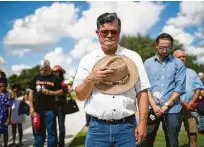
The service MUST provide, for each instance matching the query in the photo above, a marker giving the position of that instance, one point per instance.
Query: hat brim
(118, 89)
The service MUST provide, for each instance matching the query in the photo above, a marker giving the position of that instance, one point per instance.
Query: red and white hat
(58, 68)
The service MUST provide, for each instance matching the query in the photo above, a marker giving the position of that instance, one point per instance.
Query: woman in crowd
(5, 110)
(59, 72)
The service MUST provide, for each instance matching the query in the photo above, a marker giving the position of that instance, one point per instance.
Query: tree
(25, 77)
(145, 46)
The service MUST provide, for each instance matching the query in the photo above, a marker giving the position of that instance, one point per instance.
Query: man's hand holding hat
(99, 74)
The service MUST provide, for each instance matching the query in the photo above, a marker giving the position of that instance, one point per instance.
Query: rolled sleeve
(197, 84)
(81, 74)
(180, 79)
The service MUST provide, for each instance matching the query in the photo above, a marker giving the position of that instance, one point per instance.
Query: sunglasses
(164, 48)
(105, 33)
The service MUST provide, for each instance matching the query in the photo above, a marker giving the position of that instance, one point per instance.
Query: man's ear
(156, 46)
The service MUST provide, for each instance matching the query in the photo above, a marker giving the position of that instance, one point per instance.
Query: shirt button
(114, 110)
(162, 85)
(162, 68)
(113, 96)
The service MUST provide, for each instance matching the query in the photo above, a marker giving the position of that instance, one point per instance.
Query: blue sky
(64, 32)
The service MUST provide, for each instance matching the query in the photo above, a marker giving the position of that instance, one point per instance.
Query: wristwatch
(166, 104)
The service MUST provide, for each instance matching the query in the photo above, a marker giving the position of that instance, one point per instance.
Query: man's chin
(165, 56)
(110, 44)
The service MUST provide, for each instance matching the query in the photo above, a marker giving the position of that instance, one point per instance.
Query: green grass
(183, 140)
(79, 140)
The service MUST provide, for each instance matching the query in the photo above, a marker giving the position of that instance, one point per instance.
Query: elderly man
(193, 87)
(167, 78)
(109, 80)
(43, 89)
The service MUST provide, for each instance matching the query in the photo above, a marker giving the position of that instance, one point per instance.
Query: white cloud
(2, 64)
(146, 14)
(19, 52)
(42, 28)
(179, 34)
(49, 24)
(1, 60)
(191, 13)
(17, 68)
(196, 51)
(83, 47)
(59, 57)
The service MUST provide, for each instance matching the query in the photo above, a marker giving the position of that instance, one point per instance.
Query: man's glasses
(105, 33)
(162, 48)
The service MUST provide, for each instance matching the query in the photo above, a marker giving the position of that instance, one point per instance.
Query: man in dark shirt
(43, 89)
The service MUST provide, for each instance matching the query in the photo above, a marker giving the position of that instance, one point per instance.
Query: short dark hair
(165, 36)
(2, 74)
(3, 80)
(17, 86)
(108, 17)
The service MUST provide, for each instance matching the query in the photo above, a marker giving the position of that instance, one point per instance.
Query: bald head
(181, 55)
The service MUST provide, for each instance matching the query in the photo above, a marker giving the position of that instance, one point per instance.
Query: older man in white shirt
(113, 109)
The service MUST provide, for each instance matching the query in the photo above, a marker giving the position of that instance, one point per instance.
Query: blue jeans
(101, 134)
(61, 121)
(48, 122)
(171, 127)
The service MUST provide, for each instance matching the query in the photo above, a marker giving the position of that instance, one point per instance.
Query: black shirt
(44, 102)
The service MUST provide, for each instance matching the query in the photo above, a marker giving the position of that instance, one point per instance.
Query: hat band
(120, 82)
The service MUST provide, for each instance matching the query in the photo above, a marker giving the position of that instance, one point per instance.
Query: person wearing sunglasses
(112, 121)
(167, 75)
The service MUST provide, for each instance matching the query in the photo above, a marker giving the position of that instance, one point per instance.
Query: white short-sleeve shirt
(106, 106)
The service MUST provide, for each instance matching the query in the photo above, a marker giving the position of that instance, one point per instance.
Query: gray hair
(44, 63)
(179, 50)
(108, 17)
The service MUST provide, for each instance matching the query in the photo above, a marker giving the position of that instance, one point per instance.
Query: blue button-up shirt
(165, 78)
(193, 83)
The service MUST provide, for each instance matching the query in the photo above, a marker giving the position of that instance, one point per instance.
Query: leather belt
(115, 121)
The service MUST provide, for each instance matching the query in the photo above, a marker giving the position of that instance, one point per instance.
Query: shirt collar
(169, 58)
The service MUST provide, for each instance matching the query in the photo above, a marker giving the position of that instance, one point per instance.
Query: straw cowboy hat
(125, 74)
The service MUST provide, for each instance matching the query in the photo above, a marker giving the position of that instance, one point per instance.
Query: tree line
(143, 45)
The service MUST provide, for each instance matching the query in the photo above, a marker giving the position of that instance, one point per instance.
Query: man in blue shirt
(167, 78)
(193, 89)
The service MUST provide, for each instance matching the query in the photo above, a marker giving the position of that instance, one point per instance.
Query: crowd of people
(114, 84)
(46, 95)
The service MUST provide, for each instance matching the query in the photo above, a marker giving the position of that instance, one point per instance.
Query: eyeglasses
(164, 48)
(105, 33)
